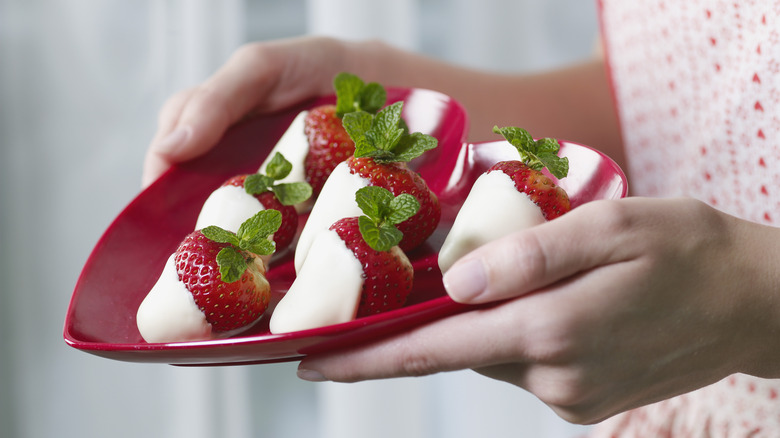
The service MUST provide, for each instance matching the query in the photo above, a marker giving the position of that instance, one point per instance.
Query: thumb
(533, 258)
(192, 121)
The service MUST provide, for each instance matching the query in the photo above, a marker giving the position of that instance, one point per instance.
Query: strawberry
(374, 238)
(355, 267)
(388, 275)
(399, 179)
(223, 272)
(509, 197)
(329, 144)
(383, 147)
(273, 196)
(527, 174)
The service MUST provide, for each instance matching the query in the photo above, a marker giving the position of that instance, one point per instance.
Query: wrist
(762, 289)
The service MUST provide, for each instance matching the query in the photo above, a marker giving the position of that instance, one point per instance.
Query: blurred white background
(80, 85)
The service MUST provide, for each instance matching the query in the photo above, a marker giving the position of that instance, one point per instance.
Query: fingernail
(174, 140)
(311, 375)
(466, 280)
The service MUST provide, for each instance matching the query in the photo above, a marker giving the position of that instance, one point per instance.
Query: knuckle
(211, 101)
(583, 415)
(550, 343)
(416, 363)
(172, 105)
(519, 253)
(616, 216)
(558, 387)
(248, 51)
(568, 393)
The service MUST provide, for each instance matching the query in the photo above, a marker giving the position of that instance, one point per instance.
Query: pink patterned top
(697, 86)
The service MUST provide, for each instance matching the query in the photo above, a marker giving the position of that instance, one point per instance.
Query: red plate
(129, 257)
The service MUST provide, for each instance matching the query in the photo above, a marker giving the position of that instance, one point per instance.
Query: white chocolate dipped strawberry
(293, 146)
(315, 142)
(510, 196)
(242, 196)
(355, 268)
(383, 147)
(213, 286)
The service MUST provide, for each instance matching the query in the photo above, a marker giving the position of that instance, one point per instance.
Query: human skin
(614, 305)
(573, 103)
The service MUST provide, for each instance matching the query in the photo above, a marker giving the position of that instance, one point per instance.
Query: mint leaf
(547, 154)
(253, 233)
(292, 193)
(373, 201)
(385, 137)
(401, 208)
(231, 264)
(372, 98)
(260, 246)
(220, 235)
(278, 168)
(357, 124)
(287, 193)
(347, 88)
(413, 145)
(379, 237)
(382, 212)
(518, 137)
(536, 154)
(257, 183)
(352, 94)
(385, 133)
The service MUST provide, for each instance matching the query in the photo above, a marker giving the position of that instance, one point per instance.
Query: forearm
(572, 103)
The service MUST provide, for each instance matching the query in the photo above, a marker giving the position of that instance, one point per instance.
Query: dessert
(510, 196)
(350, 260)
(241, 196)
(382, 149)
(213, 286)
(328, 142)
(354, 268)
(293, 145)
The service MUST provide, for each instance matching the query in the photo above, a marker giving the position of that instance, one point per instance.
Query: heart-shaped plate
(129, 257)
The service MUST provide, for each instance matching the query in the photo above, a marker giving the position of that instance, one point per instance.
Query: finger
(539, 328)
(258, 77)
(458, 342)
(211, 107)
(193, 121)
(157, 160)
(525, 261)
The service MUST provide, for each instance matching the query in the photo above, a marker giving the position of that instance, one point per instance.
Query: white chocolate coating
(493, 209)
(169, 313)
(326, 290)
(336, 201)
(228, 207)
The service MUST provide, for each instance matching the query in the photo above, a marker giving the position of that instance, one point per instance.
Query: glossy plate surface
(129, 257)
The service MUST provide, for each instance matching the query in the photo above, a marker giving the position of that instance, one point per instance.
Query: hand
(269, 76)
(614, 305)
(258, 78)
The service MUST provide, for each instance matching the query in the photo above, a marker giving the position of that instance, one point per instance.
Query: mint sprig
(536, 154)
(384, 137)
(382, 212)
(352, 94)
(252, 237)
(287, 193)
